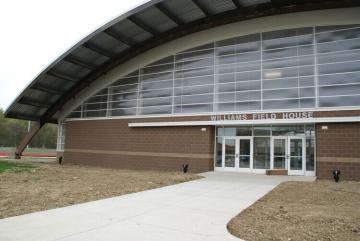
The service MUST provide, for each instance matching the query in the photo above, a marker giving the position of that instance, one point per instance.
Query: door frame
(272, 150)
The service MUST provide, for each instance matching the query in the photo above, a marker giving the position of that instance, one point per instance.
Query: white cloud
(34, 33)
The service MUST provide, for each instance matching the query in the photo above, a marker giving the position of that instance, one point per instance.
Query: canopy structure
(147, 26)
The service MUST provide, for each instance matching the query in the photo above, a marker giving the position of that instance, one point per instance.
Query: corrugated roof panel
(108, 43)
(71, 69)
(27, 110)
(186, 10)
(40, 96)
(88, 56)
(54, 83)
(156, 19)
(131, 30)
(218, 6)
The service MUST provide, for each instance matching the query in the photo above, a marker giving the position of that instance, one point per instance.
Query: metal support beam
(202, 8)
(62, 76)
(78, 62)
(121, 38)
(169, 14)
(96, 49)
(27, 138)
(143, 25)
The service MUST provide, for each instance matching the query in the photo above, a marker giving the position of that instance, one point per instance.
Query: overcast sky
(34, 33)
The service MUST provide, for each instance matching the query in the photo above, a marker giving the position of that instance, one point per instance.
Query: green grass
(30, 150)
(15, 167)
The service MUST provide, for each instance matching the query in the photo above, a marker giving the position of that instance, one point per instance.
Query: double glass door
(237, 153)
(288, 153)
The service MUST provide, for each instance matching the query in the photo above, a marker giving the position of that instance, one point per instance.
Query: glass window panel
(287, 33)
(261, 151)
(125, 88)
(288, 41)
(156, 77)
(280, 83)
(249, 95)
(248, 85)
(192, 64)
(97, 99)
(262, 131)
(245, 76)
(157, 85)
(226, 87)
(219, 143)
(280, 94)
(281, 104)
(123, 104)
(225, 106)
(158, 69)
(281, 63)
(195, 81)
(339, 101)
(352, 89)
(225, 78)
(197, 99)
(244, 131)
(238, 67)
(123, 112)
(97, 106)
(230, 131)
(155, 110)
(226, 97)
(239, 40)
(156, 101)
(339, 57)
(74, 114)
(310, 147)
(306, 70)
(156, 93)
(101, 113)
(339, 67)
(331, 28)
(338, 46)
(202, 54)
(281, 73)
(194, 72)
(220, 131)
(287, 130)
(307, 81)
(307, 92)
(193, 90)
(343, 78)
(193, 108)
(250, 105)
(229, 153)
(338, 35)
(126, 81)
(124, 96)
(307, 103)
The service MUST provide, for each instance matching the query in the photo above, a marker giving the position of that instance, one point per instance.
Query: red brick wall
(112, 143)
(338, 147)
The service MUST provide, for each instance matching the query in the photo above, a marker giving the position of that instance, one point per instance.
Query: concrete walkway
(196, 210)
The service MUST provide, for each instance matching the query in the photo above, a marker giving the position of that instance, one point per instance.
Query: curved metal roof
(149, 25)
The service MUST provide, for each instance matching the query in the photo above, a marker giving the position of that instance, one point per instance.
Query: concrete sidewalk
(196, 210)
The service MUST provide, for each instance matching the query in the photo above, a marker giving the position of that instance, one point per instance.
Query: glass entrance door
(296, 160)
(237, 153)
(288, 153)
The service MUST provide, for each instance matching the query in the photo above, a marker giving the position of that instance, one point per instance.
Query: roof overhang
(133, 33)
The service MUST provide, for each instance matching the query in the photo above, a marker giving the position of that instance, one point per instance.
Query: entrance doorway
(237, 153)
(288, 153)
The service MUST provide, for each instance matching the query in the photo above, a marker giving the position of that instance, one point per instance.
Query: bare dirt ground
(299, 211)
(51, 186)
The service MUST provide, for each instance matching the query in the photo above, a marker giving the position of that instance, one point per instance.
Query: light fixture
(271, 74)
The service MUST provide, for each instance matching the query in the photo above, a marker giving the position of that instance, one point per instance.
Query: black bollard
(185, 168)
(60, 160)
(336, 174)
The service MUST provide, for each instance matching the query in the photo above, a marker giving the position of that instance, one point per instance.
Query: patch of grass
(15, 167)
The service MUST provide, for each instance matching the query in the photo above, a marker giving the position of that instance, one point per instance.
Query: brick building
(241, 86)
